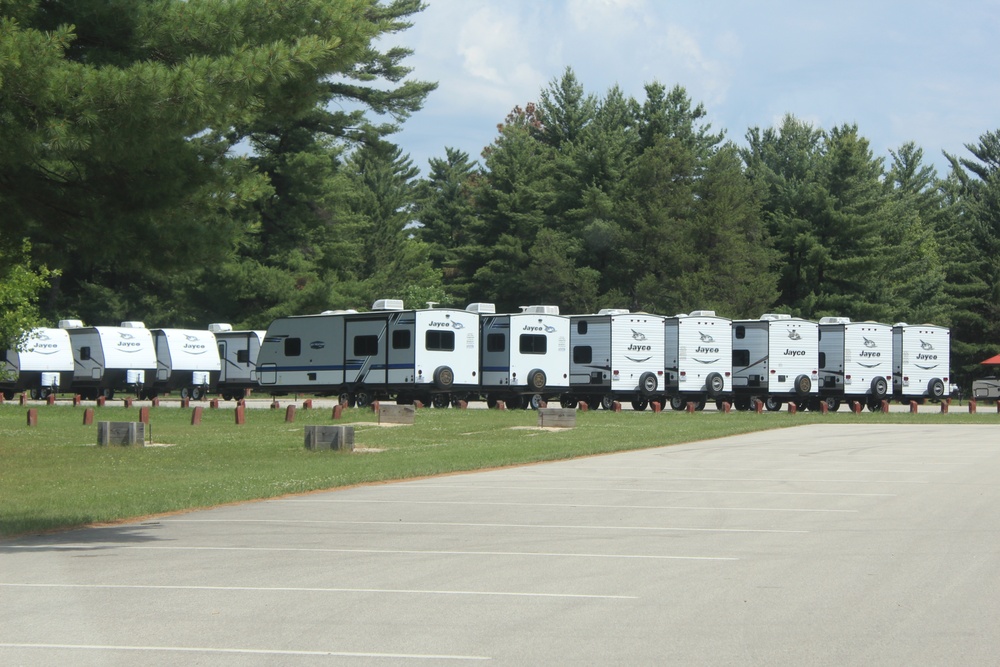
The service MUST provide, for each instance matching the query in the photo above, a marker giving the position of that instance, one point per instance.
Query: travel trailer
(775, 359)
(855, 362)
(238, 352)
(41, 365)
(921, 361)
(615, 354)
(428, 354)
(525, 356)
(187, 361)
(699, 358)
(111, 359)
(986, 389)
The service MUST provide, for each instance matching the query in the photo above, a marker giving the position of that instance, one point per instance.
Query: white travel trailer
(429, 354)
(238, 352)
(110, 359)
(40, 365)
(613, 354)
(775, 359)
(855, 362)
(921, 361)
(986, 389)
(699, 358)
(187, 360)
(525, 356)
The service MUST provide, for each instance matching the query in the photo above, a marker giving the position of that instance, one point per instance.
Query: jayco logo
(701, 349)
(528, 327)
(639, 348)
(441, 325)
(925, 345)
(127, 341)
(192, 344)
(794, 335)
(636, 335)
(795, 353)
(869, 342)
(865, 353)
(705, 338)
(927, 357)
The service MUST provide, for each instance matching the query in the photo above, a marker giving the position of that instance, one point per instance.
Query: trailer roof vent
(681, 315)
(775, 316)
(900, 324)
(388, 304)
(483, 308)
(133, 324)
(540, 310)
(220, 327)
(702, 313)
(834, 320)
(613, 311)
(70, 324)
(339, 312)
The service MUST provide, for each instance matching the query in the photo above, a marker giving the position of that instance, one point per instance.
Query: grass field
(53, 475)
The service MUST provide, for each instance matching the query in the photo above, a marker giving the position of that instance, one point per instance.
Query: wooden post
(33, 417)
(885, 406)
(690, 407)
(290, 414)
(758, 406)
(185, 402)
(101, 401)
(501, 405)
(792, 408)
(416, 404)
(616, 406)
(656, 407)
(88, 416)
(856, 407)
(945, 405)
(338, 411)
(50, 399)
(196, 416)
(275, 405)
(463, 405)
(583, 406)
(307, 404)
(913, 407)
(155, 402)
(972, 406)
(214, 404)
(727, 407)
(144, 415)
(128, 402)
(241, 415)
(77, 400)
(824, 409)
(375, 406)
(23, 400)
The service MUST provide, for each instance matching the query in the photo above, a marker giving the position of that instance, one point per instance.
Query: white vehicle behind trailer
(615, 354)
(855, 362)
(775, 359)
(41, 364)
(111, 359)
(525, 356)
(921, 361)
(238, 352)
(698, 360)
(186, 360)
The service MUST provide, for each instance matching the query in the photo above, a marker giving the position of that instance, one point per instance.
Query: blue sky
(921, 71)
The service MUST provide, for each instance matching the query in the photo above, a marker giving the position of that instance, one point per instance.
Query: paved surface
(825, 545)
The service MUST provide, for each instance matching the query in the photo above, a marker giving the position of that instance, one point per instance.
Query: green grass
(53, 476)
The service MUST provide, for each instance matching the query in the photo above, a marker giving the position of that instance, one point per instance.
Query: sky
(915, 70)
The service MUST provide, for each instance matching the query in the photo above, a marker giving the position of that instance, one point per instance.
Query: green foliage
(20, 285)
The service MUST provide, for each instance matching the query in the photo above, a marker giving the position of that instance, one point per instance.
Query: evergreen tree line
(222, 160)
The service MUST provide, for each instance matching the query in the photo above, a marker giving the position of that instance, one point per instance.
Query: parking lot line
(241, 651)
(568, 505)
(525, 487)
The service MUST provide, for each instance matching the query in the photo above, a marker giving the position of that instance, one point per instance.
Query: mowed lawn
(54, 476)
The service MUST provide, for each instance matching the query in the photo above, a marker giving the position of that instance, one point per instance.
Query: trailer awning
(995, 359)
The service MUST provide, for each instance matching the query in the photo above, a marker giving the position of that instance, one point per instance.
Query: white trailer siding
(446, 339)
(771, 355)
(854, 358)
(921, 360)
(636, 352)
(302, 353)
(539, 343)
(590, 353)
(44, 362)
(185, 358)
(699, 355)
(112, 358)
(238, 354)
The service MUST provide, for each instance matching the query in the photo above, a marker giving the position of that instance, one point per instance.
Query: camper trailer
(855, 362)
(615, 354)
(525, 356)
(429, 354)
(187, 361)
(238, 352)
(111, 359)
(698, 361)
(40, 365)
(986, 389)
(775, 359)
(921, 361)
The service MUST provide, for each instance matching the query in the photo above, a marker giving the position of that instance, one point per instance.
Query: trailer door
(365, 351)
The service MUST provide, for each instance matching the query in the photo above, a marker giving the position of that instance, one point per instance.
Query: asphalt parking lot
(824, 545)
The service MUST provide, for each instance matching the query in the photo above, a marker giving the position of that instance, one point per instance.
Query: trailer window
(440, 341)
(741, 357)
(243, 356)
(222, 350)
(365, 346)
(581, 327)
(583, 354)
(740, 331)
(293, 347)
(822, 359)
(533, 344)
(3, 355)
(496, 342)
(85, 353)
(401, 339)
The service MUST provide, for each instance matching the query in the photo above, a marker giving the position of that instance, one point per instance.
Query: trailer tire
(677, 403)
(803, 385)
(771, 404)
(607, 401)
(640, 404)
(535, 401)
(363, 398)
(444, 377)
(567, 401)
(196, 393)
(648, 384)
(536, 380)
(515, 402)
(935, 388)
(346, 399)
(441, 401)
(879, 387)
(874, 404)
(36, 393)
(715, 384)
(832, 404)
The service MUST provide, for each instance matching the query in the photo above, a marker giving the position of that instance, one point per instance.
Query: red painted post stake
(33, 417)
(185, 402)
(144, 415)
(690, 407)
(543, 404)
(913, 407)
(463, 405)
(196, 416)
(375, 404)
(727, 407)
(275, 405)
(792, 408)
(885, 406)
(101, 401)
(501, 405)
(77, 401)
(23, 400)
(128, 402)
(416, 405)
(214, 404)
(616, 406)
(155, 402)
(944, 406)
(289, 414)
(583, 406)
(656, 407)
(50, 399)
(1, 397)
(338, 411)
(241, 415)
(856, 407)
(88, 416)
(972, 407)
(824, 409)
(307, 404)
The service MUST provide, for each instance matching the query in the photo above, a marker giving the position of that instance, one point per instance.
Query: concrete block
(557, 417)
(338, 438)
(121, 433)
(396, 414)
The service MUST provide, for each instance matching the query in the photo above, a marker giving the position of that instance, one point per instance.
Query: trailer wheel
(535, 401)
(874, 404)
(515, 402)
(935, 388)
(700, 404)
(607, 402)
(536, 380)
(8, 395)
(879, 387)
(441, 401)
(677, 403)
(491, 401)
(802, 385)
(648, 383)
(741, 404)
(108, 393)
(346, 399)
(36, 394)
(832, 404)
(715, 384)
(363, 398)
(185, 393)
(444, 377)
(771, 404)
(196, 393)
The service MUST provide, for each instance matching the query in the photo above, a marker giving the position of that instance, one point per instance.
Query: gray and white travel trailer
(40, 365)
(187, 360)
(238, 352)
(775, 359)
(698, 359)
(429, 354)
(615, 354)
(111, 359)
(921, 361)
(525, 356)
(855, 362)
(986, 389)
